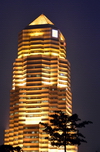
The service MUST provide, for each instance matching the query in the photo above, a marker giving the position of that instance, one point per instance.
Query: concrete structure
(40, 85)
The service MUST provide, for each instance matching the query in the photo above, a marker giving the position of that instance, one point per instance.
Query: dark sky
(79, 21)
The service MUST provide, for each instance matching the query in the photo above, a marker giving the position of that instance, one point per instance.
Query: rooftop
(42, 19)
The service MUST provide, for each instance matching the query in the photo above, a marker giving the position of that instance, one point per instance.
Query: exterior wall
(41, 85)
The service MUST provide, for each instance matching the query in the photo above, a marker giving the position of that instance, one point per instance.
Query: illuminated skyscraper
(40, 85)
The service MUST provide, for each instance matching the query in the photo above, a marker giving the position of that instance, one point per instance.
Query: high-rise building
(41, 85)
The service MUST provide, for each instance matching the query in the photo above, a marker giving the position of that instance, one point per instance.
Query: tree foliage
(64, 129)
(9, 148)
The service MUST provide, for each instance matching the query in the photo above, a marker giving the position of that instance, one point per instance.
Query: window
(54, 33)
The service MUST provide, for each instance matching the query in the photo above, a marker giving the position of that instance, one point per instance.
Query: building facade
(41, 85)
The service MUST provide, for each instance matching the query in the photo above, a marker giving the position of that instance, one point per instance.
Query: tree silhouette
(63, 129)
(18, 149)
(9, 148)
(6, 148)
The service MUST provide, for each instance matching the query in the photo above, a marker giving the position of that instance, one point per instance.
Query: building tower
(40, 85)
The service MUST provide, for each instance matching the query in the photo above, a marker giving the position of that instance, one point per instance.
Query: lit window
(61, 74)
(54, 33)
(45, 101)
(63, 98)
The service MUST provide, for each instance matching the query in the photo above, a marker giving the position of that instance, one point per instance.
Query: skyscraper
(40, 85)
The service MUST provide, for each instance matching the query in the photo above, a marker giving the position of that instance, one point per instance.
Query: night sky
(79, 21)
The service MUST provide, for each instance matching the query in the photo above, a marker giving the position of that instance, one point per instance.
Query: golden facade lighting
(40, 85)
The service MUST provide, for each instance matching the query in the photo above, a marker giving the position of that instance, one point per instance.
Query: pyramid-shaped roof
(42, 19)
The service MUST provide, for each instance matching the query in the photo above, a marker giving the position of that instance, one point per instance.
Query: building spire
(42, 19)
